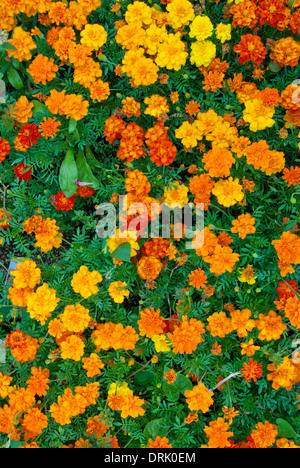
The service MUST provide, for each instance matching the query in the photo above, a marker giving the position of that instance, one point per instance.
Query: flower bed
(123, 326)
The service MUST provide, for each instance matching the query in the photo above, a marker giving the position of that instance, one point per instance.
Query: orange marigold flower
(244, 225)
(92, 364)
(137, 183)
(218, 162)
(288, 247)
(241, 322)
(23, 110)
(292, 310)
(72, 348)
(192, 108)
(223, 259)
(251, 370)
(282, 375)
(213, 81)
(187, 335)
(160, 442)
(197, 279)
(4, 149)
(264, 434)
(23, 43)
(42, 69)
(285, 52)
(199, 399)
(217, 433)
(292, 175)
(151, 323)
(75, 318)
(84, 282)
(249, 348)
(49, 127)
(270, 326)
(219, 324)
(170, 376)
(38, 382)
(149, 268)
(99, 90)
(34, 422)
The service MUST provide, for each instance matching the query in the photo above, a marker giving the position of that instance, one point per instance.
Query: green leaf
(183, 383)
(143, 378)
(285, 429)
(84, 171)
(171, 391)
(14, 78)
(156, 427)
(7, 46)
(122, 252)
(40, 109)
(72, 125)
(68, 174)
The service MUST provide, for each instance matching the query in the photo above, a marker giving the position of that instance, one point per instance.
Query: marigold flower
(241, 322)
(117, 290)
(150, 323)
(291, 175)
(26, 275)
(84, 282)
(223, 32)
(258, 115)
(199, 399)
(5, 388)
(202, 53)
(219, 324)
(282, 375)
(92, 364)
(201, 28)
(228, 191)
(243, 225)
(180, 13)
(23, 110)
(149, 268)
(75, 318)
(42, 69)
(93, 36)
(218, 162)
(4, 149)
(23, 43)
(34, 421)
(49, 127)
(249, 348)
(38, 381)
(72, 348)
(264, 434)
(187, 335)
(292, 310)
(64, 203)
(197, 279)
(217, 433)
(42, 303)
(249, 48)
(251, 370)
(171, 54)
(270, 326)
(160, 442)
(176, 195)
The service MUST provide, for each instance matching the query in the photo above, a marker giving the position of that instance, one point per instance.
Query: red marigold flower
(63, 203)
(84, 191)
(250, 47)
(23, 172)
(252, 370)
(29, 134)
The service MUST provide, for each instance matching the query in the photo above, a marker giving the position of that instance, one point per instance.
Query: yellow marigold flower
(171, 54)
(201, 28)
(120, 238)
(155, 36)
(72, 348)
(247, 275)
(117, 290)
(161, 343)
(180, 13)
(188, 134)
(270, 326)
(141, 68)
(223, 32)
(75, 318)
(93, 36)
(228, 191)
(41, 303)
(26, 275)
(258, 115)
(176, 194)
(199, 399)
(42, 69)
(24, 44)
(202, 53)
(84, 282)
(5, 388)
(156, 105)
(139, 13)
